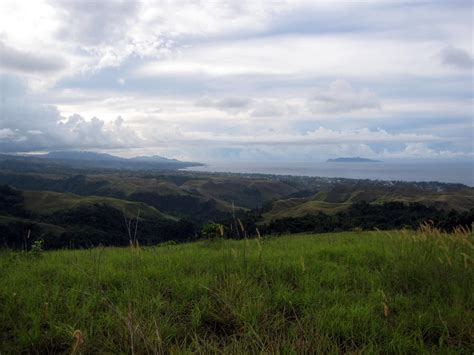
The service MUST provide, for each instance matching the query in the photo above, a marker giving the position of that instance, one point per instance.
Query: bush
(37, 248)
(212, 231)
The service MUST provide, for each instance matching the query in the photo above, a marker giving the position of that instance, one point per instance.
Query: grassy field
(371, 292)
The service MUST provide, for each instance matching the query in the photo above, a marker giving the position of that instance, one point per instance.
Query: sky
(239, 80)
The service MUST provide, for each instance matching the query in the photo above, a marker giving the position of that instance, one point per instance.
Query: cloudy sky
(238, 80)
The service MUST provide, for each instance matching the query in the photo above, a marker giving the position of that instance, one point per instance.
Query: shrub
(212, 231)
(37, 248)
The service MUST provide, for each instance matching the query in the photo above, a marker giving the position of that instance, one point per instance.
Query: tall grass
(371, 292)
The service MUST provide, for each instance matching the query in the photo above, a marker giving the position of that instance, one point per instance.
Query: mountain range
(94, 160)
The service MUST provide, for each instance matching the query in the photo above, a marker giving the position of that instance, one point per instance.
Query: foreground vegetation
(376, 292)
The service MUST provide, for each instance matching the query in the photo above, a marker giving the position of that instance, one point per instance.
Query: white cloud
(226, 104)
(92, 23)
(248, 108)
(341, 97)
(296, 56)
(247, 74)
(422, 151)
(457, 58)
(26, 126)
(17, 60)
(274, 108)
(318, 136)
(6, 132)
(237, 37)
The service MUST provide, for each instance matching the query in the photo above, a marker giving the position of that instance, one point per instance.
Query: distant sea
(451, 172)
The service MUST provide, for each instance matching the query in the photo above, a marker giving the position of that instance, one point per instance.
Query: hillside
(341, 196)
(61, 220)
(210, 196)
(92, 160)
(376, 292)
(85, 205)
(195, 196)
(47, 202)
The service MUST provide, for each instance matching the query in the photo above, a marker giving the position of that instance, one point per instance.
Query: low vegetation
(66, 220)
(371, 292)
(388, 215)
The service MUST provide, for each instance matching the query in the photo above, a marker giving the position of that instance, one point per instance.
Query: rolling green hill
(68, 220)
(340, 197)
(182, 195)
(296, 207)
(203, 197)
(46, 227)
(48, 202)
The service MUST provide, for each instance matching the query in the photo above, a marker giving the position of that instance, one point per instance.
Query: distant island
(352, 160)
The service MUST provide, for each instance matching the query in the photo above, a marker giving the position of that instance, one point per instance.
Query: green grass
(299, 207)
(371, 292)
(50, 202)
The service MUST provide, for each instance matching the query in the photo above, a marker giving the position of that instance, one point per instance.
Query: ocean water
(450, 172)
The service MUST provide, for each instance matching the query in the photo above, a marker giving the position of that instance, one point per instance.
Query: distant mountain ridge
(94, 160)
(153, 158)
(84, 155)
(79, 155)
(352, 160)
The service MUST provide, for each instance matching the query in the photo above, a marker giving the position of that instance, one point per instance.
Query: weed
(37, 248)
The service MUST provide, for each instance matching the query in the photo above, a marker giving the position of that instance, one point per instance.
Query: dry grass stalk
(241, 225)
(303, 268)
(242, 228)
(386, 310)
(79, 340)
(133, 241)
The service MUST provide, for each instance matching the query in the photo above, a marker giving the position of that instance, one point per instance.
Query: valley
(63, 204)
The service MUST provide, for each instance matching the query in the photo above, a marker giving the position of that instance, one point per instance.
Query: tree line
(360, 215)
